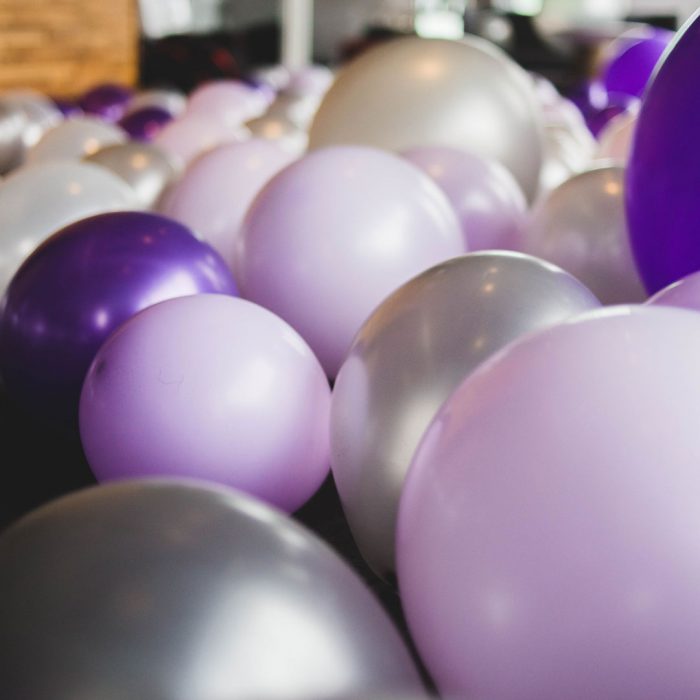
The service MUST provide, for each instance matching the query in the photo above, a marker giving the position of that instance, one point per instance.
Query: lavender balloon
(144, 124)
(547, 535)
(663, 170)
(106, 101)
(685, 293)
(214, 388)
(83, 282)
(489, 202)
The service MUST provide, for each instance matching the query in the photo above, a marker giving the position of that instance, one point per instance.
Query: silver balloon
(169, 100)
(582, 227)
(147, 169)
(417, 92)
(172, 591)
(410, 355)
(12, 123)
(280, 130)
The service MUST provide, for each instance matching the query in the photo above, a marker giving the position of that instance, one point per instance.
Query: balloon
(616, 138)
(35, 202)
(82, 283)
(144, 167)
(410, 355)
(310, 80)
(144, 124)
(661, 193)
(685, 293)
(75, 139)
(209, 387)
(280, 130)
(12, 124)
(300, 111)
(230, 102)
(170, 590)
(106, 101)
(599, 107)
(217, 189)
(333, 234)
(434, 92)
(276, 76)
(489, 202)
(581, 227)
(68, 108)
(546, 536)
(171, 101)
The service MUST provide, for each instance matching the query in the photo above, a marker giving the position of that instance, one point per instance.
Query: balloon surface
(615, 142)
(171, 101)
(12, 125)
(661, 191)
(280, 130)
(333, 234)
(229, 102)
(172, 590)
(434, 92)
(581, 227)
(107, 101)
(407, 359)
(685, 293)
(547, 531)
(144, 124)
(82, 283)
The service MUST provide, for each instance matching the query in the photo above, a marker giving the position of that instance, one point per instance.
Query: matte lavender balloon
(106, 101)
(663, 207)
(336, 232)
(685, 293)
(214, 388)
(77, 287)
(489, 202)
(144, 124)
(217, 189)
(547, 538)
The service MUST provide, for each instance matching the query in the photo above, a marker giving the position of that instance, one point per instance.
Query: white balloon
(282, 131)
(37, 201)
(616, 139)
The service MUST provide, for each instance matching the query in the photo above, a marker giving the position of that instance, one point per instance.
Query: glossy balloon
(407, 359)
(300, 111)
(581, 227)
(616, 139)
(107, 101)
(229, 102)
(662, 201)
(12, 124)
(280, 130)
(546, 541)
(37, 201)
(209, 387)
(147, 169)
(217, 189)
(333, 234)
(74, 139)
(144, 124)
(489, 202)
(82, 283)
(685, 293)
(178, 591)
(434, 92)
(171, 101)
(310, 80)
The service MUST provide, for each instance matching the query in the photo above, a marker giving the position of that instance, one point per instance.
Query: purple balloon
(548, 529)
(663, 207)
(77, 287)
(685, 293)
(209, 387)
(489, 202)
(108, 101)
(67, 108)
(598, 106)
(144, 124)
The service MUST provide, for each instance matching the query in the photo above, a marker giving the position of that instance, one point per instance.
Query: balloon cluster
(397, 275)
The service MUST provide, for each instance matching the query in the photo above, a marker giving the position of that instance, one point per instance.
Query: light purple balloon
(685, 293)
(548, 530)
(230, 102)
(489, 202)
(332, 235)
(310, 80)
(213, 388)
(217, 189)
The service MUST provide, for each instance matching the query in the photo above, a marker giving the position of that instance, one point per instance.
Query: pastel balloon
(615, 141)
(333, 234)
(581, 227)
(435, 92)
(685, 293)
(147, 169)
(209, 387)
(280, 130)
(82, 283)
(299, 110)
(74, 139)
(310, 80)
(12, 124)
(661, 193)
(144, 124)
(231, 102)
(489, 202)
(409, 356)
(183, 592)
(546, 545)
(35, 202)
(107, 101)
(217, 189)
(171, 101)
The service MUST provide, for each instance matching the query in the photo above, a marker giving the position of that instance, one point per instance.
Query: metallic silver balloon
(418, 92)
(173, 591)
(145, 167)
(280, 130)
(12, 122)
(407, 359)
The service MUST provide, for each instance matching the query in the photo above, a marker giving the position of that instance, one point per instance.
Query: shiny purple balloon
(685, 293)
(108, 101)
(68, 108)
(144, 124)
(599, 107)
(83, 282)
(663, 207)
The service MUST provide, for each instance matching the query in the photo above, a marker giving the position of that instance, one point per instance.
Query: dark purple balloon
(68, 108)
(630, 70)
(107, 101)
(598, 106)
(663, 174)
(144, 124)
(82, 283)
